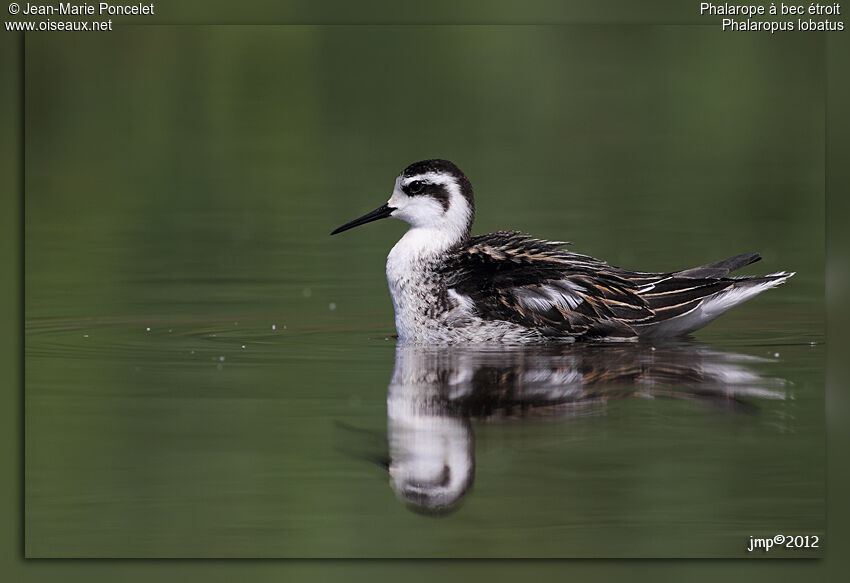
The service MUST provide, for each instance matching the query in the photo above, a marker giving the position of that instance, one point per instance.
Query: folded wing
(535, 283)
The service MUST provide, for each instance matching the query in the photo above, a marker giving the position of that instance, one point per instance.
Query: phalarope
(447, 286)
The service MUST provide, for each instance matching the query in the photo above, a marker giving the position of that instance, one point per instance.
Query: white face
(445, 211)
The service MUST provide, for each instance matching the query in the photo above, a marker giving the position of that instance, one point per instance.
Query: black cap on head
(435, 165)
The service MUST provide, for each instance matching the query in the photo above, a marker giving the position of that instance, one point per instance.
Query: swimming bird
(449, 287)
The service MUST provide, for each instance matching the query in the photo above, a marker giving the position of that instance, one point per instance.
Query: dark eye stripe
(438, 192)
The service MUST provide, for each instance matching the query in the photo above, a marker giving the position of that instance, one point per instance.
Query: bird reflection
(434, 394)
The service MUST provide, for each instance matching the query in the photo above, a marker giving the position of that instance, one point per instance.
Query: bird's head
(431, 194)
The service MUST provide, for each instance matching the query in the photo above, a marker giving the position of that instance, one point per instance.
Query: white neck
(409, 276)
(429, 235)
(423, 243)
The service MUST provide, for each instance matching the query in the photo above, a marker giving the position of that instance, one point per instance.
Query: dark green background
(483, 226)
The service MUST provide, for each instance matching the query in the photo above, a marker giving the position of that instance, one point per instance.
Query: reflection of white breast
(431, 453)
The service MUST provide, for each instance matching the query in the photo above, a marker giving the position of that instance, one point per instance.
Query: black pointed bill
(381, 212)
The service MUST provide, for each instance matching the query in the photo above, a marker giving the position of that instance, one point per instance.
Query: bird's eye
(415, 187)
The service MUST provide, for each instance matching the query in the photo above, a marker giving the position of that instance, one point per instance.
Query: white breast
(409, 264)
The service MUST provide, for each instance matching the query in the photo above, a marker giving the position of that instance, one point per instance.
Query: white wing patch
(563, 294)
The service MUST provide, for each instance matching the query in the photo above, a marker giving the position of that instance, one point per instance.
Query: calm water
(209, 374)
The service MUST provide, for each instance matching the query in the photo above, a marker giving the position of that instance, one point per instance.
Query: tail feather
(677, 318)
(720, 268)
